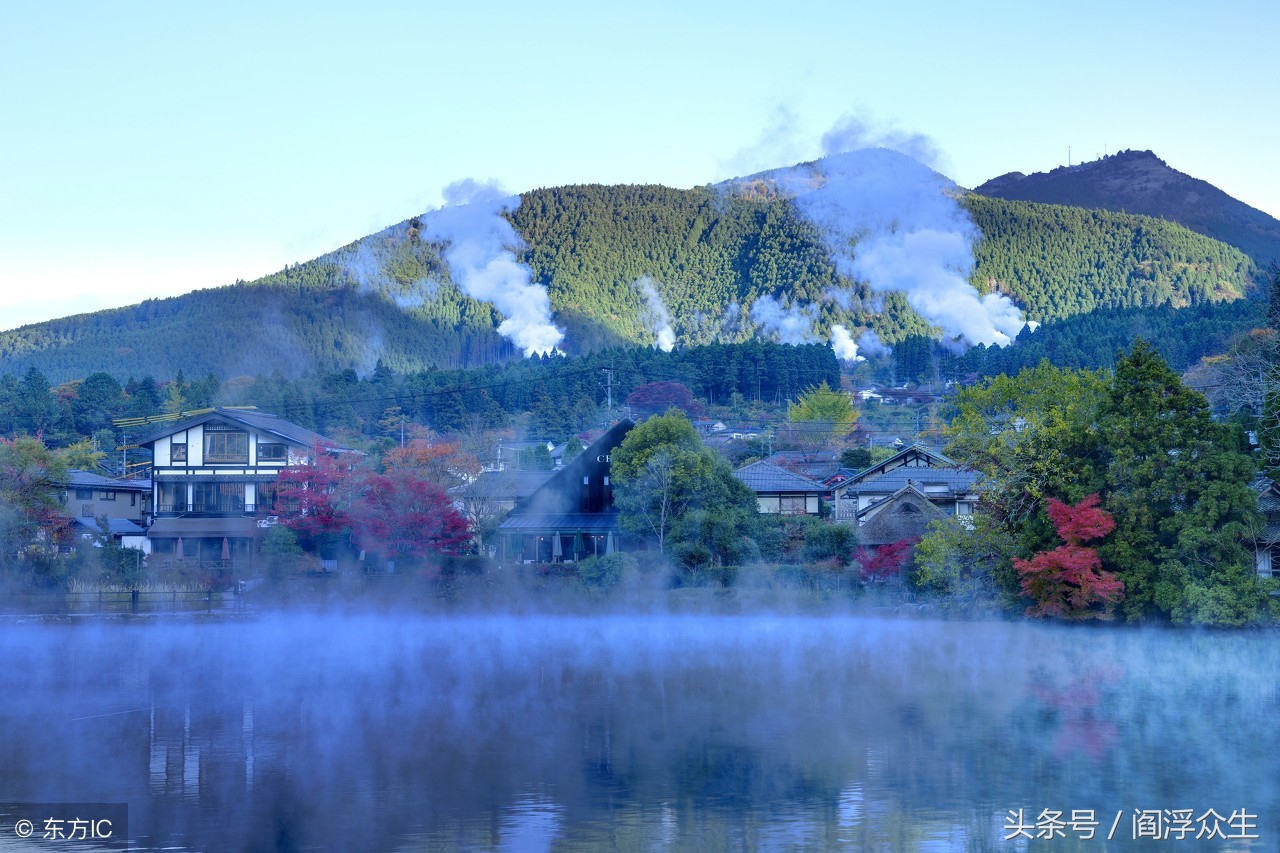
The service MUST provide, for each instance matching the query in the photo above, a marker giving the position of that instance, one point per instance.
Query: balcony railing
(222, 508)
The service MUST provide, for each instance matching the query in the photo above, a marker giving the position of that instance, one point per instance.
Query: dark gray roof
(251, 418)
(97, 481)
(172, 528)
(764, 476)
(1268, 499)
(956, 480)
(506, 485)
(936, 458)
(570, 522)
(117, 526)
(1270, 534)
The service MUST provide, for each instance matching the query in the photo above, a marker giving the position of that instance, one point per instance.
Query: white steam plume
(871, 345)
(842, 344)
(793, 325)
(482, 262)
(911, 236)
(656, 316)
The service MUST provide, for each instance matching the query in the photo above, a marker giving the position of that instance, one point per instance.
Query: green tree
(1032, 436)
(820, 416)
(671, 486)
(32, 522)
(1178, 488)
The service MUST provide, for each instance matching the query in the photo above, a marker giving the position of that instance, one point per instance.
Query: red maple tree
(1069, 580)
(885, 561)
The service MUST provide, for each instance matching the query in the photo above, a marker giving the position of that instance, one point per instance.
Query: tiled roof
(86, 478)
(955, 479)
(117, 526)
(766, 477)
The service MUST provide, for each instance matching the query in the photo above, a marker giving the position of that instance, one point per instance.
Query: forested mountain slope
(1140, 182)
(710, 255)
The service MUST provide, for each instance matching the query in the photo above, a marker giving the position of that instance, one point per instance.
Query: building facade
(213, 481)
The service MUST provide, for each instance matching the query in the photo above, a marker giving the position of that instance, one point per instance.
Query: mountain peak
(1140, 182)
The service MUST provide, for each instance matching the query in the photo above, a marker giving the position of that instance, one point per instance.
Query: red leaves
(402, 513)
(885, 561)
(1082, 522)
(1069, 580)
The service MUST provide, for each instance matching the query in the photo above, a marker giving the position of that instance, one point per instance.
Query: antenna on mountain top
(1068, 156)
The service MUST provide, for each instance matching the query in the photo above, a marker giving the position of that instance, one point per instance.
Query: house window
(107, 496)
(219, 497)
(963, 508)
(178, 452)
(171, 497)
(274, 452)
(792, 504)
(133, 499)
(226, 447)
(84, 494)
(86, 511)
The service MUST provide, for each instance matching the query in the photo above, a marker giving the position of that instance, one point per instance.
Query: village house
(1266, 543)
(944, 483)
(125, 504)
(571, 516)
(213, 481)
(780, 491)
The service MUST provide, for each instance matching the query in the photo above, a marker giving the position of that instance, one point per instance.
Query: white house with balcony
(213, 481)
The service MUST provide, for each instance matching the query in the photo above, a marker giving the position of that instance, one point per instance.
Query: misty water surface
(649, 732)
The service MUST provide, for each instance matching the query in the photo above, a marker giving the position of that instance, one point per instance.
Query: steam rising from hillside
(482, 262)
(791, 324)
(911, 235)
(656, 316)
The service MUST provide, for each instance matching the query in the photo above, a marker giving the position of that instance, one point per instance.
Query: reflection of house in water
(214, 473)
(571, 516)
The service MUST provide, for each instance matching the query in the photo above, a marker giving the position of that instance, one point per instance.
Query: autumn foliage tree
(404, 514)
(1069, 580)
(885, 561)
(314, 499)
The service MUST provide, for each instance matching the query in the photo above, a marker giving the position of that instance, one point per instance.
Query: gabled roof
(934, 458)
(557, 496)
(956, 480)
(763, 476)
(251, 419)
(904, 515)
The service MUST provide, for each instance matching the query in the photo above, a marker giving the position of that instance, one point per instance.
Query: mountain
(1140, 182)
(711, 253)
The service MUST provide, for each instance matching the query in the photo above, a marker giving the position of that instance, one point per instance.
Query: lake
(644, 732)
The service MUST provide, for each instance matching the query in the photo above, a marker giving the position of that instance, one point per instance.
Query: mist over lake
(679, 732)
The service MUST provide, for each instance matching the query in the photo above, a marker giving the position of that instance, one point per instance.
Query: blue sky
(152, 149)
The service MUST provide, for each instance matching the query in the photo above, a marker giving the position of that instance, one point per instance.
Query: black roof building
(571, 516)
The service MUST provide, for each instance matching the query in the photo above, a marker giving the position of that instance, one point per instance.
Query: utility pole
(608, 384)
(124, 454)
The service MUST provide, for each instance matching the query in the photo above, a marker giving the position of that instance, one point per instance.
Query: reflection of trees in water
(354, 732)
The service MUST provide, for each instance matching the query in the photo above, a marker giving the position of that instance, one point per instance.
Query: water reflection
(651, 733)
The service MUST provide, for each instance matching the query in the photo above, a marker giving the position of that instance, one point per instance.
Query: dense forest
(710, 253)
(556, 396)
